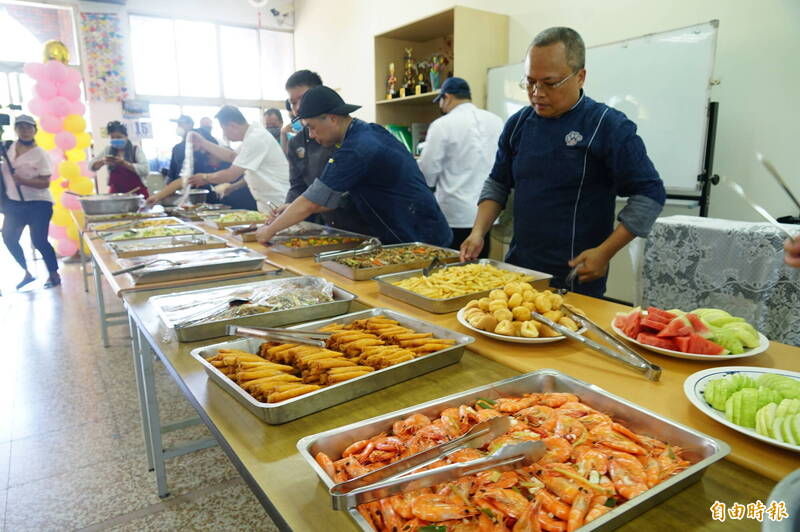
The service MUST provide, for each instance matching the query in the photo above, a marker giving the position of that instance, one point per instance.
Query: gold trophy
(391, 83)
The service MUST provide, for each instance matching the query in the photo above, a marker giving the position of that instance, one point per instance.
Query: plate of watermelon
(763, 403)
(702, 334)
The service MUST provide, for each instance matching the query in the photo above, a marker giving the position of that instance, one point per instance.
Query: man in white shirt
(458, 156)
(260, 157)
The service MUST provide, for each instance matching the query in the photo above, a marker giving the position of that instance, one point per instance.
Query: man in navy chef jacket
(373, 168)
(568, 158)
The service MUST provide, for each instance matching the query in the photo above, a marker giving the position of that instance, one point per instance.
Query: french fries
(461, 280)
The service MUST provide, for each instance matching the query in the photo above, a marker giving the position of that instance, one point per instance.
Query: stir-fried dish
(396, 255)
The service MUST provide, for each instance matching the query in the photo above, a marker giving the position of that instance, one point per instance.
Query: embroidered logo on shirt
(572, 138)
(301, 152)
(330, 160)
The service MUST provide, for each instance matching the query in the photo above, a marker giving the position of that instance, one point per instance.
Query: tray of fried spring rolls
(201, 314)
(331, 392)
(696, 448)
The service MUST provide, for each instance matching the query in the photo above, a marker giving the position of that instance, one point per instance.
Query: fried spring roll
(277, 397)
(341, 377)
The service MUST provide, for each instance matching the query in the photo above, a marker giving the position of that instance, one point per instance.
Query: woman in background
(27, 201)
(127, 164)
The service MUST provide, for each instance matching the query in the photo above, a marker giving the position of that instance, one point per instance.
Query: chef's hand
(594, 264)
(276, 212)
(152, 200)
(198, 180)
(264, 234)
(791, 250)
(471, 247)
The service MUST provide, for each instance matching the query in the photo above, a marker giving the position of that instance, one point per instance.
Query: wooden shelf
(479, 41)
(425, 97)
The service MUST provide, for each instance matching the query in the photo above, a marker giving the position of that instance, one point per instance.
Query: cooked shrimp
(410, 425)
(577, 514)
(558, 450)
(553, 504)
(588, 459)
(326, 463)
(529, 521)
(555, 400)
(570, 429)
(628, 475)
(508, 502)
(485, 414)
(465, 455)
(355, 448)
(433, 507)
(391, 520)
(596, 511)
(538, 416)
(576, 409)
(511, 405)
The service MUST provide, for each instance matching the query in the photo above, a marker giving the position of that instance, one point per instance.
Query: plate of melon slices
(703, 334)
(763, 403)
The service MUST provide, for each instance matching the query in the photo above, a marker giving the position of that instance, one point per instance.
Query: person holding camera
(126, 163)
(26, 199)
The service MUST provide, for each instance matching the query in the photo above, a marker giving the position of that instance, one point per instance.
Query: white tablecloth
(690, 262)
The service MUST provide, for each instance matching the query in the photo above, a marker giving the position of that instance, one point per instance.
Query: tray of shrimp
(607, 459)
(371, 350)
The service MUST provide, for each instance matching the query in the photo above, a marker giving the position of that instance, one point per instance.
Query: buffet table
(267, 458)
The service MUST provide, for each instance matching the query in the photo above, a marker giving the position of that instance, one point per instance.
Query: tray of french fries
(453, 286)
(563, 487)
(367, 351)
(156, 246)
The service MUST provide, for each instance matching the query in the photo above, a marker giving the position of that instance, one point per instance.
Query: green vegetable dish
(153, 232)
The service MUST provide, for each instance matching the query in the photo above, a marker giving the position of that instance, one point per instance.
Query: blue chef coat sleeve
(345, 170)
(635, 177)
(498, 185)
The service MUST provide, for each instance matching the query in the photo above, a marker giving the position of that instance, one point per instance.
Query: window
(25, 28)
(182, 58)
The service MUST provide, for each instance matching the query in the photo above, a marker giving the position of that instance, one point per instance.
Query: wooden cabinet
(479, 41)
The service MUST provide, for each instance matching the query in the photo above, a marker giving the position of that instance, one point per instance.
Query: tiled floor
(71, 450)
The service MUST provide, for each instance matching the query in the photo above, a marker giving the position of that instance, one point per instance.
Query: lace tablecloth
(690, 262)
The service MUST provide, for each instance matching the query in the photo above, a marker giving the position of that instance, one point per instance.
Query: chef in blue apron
(567, 158)
(374, 169)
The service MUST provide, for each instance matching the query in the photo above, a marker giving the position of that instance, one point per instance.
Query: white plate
(695, 385)
(762, 346)
(512, 339)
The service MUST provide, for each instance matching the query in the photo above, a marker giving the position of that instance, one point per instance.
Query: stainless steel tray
(214, 329)
(365, 274)
(442, 306)
(110, 203)
(297, 230)
(277, 413)
(123, 216)
(165, 244)
(110, 235)
(701, 450)
(93, 226)
(196, 215)
(203, 263)
(244, 237)
(213, 218)
(278, 247)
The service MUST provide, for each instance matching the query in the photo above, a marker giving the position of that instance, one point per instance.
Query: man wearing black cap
(458, 157)
(379, 174)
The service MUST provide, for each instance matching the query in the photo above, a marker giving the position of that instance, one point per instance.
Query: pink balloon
(34, 70)
(65, 140)
(70, 91)
(77, 108)
(38, 106)
(45, 89)
(64, 184)
(70, 202)
(57, 232)
(55, 71)
(74, 76)
(51, 124)
(85, 171)
(66, 247)
(59, 106)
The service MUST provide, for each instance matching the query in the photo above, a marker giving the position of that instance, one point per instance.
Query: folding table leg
(136, 347)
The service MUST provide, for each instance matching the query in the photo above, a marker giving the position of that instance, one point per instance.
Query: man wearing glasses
(567, 157)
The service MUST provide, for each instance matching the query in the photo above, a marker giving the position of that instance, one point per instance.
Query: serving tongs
(246, 229)
(436, 264)
(403, 476)
(624, 354)
(373, 244)
(143, 266)
(279, 335)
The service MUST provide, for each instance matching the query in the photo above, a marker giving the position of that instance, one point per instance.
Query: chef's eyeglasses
(528, 85)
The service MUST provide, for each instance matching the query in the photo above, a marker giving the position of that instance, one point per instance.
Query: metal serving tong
(373, 244)
(624, 354)
(279, 335)
(435, 264)
(143, 266)
(401, 476)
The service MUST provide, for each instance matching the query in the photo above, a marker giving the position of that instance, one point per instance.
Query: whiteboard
(661, 81)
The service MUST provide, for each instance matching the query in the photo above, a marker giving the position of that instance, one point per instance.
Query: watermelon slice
(700, 346)
(652, 324)
(658, 314)
(620, 320)
(682, 343)
(655, 341)
(678, 327)
(632, 325)
(699, 326)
